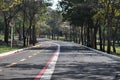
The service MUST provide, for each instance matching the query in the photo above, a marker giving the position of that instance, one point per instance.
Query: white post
(11, 36)
(12, 24)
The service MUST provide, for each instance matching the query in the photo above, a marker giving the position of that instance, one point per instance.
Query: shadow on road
(72, 48)
(43, 40)
(87, 71)
(26, 69)
(71, 67)
(20, 79)
(44, 48)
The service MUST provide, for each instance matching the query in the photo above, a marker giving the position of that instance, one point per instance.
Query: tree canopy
(93, 17)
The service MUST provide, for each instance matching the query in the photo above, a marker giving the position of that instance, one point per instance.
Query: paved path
(73, 62)
(80, 63)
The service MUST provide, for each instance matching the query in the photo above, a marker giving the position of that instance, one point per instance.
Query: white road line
(1, 70)
(29, 56)
(51, 67)
(35, 54)
(22, 60)
(12, 64)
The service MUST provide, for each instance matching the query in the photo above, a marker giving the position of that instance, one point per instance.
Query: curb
(15, 51)
(104, 53)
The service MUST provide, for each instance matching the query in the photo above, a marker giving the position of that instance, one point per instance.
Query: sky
(54, 4)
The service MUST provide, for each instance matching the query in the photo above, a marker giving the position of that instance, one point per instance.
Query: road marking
(47, 71)
(1, 70)
(35, 54)
(49, 45)
(29, 56)
(12, 53)
(22, 60)
(12, 64)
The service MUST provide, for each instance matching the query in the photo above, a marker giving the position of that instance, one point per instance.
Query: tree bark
(6, 32)
(24, 37)
(82, 34)
(34, 35)
(109, 36)
(30, 31)
(100, 37)
(114, 37)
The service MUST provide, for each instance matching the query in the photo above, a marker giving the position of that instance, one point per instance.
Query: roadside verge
(16, 51)
(104, 53)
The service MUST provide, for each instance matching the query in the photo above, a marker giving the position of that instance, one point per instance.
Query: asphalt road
(73, 62)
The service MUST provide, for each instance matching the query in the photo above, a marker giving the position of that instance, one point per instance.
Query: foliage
(6, 5)
(90, 17)
(27, 16)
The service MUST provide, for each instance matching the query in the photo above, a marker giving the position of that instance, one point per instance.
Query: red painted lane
(39, 75)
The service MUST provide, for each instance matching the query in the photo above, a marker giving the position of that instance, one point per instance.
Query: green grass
(4, 48)
(117, 50)
(7, 49)
(1, 37)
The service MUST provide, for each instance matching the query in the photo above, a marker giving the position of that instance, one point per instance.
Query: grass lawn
(7, 49)
(117, 50)
(4, 48)
(1, 37)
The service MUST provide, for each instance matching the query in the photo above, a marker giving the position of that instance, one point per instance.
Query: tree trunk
(58, 36)
(49, 35)
(114, 38)
(75, 32)
(30, 32)
(103, 40)
(93, 38)
(52, 35)
(114, 49)
(24, 37)
(85, 36)
(109, 36)
(20, 32)
(70, 33)
(33, 35)
(95, 35)
(88, 37)
(6, 33)
(100, 37)
(79, 36)
(82, 34)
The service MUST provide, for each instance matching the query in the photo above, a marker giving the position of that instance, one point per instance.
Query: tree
(26, 13)
(92, 17)
(108, 10)
(9, 10)
(79, 13)
(54, 22)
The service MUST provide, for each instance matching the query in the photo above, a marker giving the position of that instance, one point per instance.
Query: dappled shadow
(75, 48)
(44, 48)
(87, 71)
(20, 79)
(23, 71)
(43, 39)
(24, 66)
(79, 63)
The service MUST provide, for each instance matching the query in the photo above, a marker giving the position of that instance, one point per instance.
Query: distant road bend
(58, 60)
